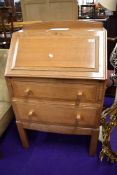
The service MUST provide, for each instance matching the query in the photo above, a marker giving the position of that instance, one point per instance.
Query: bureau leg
(93, 142)
(23, 135)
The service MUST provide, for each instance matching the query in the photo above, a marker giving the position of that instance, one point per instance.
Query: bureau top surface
(67, 49)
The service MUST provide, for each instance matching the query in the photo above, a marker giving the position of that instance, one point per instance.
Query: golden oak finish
(22, 60)
(60, 90)
(57, 113)
(56, 74)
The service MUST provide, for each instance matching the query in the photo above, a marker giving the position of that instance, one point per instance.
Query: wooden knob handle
(80, 93)
(51, 55)
(28, 91)
(31, 113)
(78, 117)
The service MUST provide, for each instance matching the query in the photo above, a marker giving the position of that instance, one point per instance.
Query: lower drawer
(56, 113)
(72, 90)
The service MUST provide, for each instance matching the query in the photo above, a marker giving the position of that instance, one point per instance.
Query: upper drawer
(57, 113)
(57, 89)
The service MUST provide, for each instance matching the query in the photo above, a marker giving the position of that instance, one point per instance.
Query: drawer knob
(80, 93)
(51, 55)
(31, 113)
(28, 91)
(78, 118)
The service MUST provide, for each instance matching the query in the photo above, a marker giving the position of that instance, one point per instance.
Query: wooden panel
(54, 1)
(35, 12)
(74, 24)
(34, 1)
(77, 91)
(59, 11)
(79, 52)
(71, 53)
(58, 128)
(49, 10)
(49, 112)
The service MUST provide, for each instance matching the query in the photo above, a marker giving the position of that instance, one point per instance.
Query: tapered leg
(93, 142)
(23, 135)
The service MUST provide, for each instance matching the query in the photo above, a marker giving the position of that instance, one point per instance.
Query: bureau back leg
(23, 135)
(93, 142)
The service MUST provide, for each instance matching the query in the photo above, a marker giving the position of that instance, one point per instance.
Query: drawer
(59, 113)
(57, 89)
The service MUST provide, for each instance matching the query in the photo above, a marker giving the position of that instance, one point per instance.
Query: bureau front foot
(23, 135)
(93, 143)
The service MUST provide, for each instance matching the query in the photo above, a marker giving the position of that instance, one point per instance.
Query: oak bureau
(56, 76)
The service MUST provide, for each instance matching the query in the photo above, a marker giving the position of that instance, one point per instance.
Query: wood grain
(57, 81)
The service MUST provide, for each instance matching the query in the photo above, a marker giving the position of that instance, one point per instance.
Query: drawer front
(60, 90)
(50, 113)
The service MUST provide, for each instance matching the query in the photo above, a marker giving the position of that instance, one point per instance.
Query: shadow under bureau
(56, 75)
